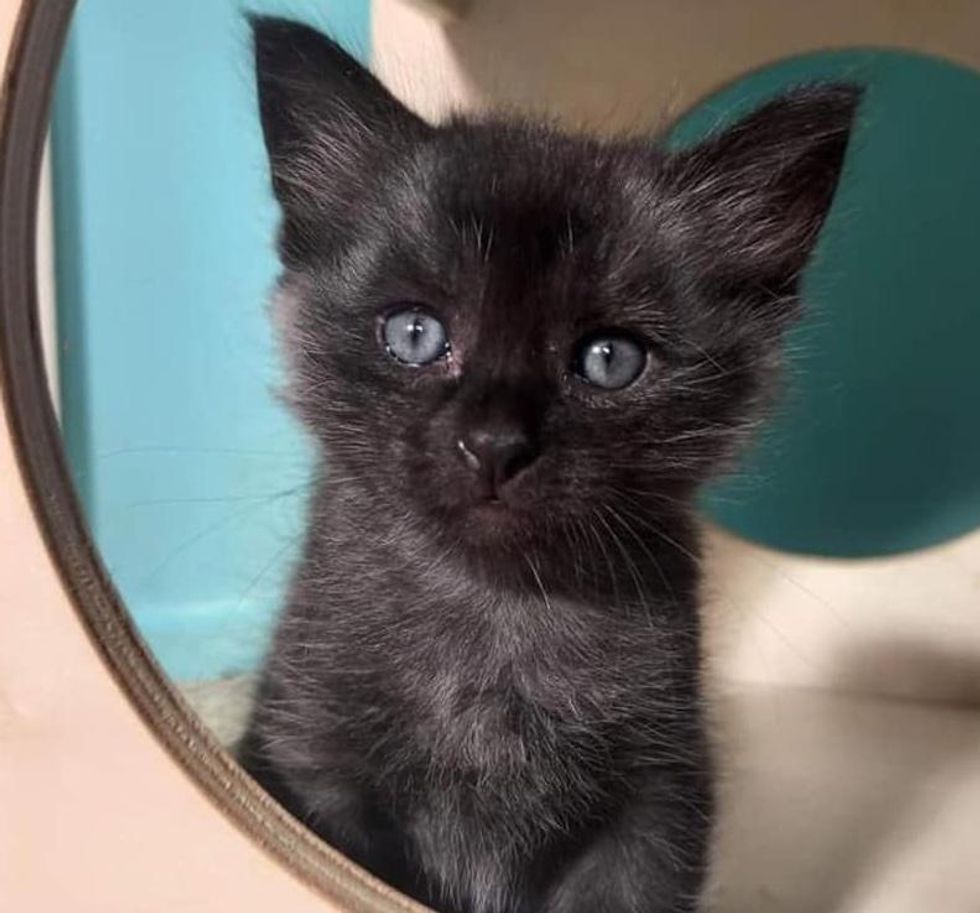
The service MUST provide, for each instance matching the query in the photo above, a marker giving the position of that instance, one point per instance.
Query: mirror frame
(29, 77)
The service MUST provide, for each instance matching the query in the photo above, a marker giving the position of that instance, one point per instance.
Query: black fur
(496, 706)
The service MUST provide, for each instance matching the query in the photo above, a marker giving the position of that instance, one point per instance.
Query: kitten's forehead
(543, 218)
(520, 175)
(520, 223)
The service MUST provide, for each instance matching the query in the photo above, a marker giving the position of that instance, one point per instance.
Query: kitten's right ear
(327, 121)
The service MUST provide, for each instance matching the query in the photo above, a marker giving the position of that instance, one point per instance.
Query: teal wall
(191, 473)
(876, 448)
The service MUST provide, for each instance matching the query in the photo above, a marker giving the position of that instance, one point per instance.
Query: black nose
(497, 453)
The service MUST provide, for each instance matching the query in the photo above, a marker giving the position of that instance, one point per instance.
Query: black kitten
(521, 353)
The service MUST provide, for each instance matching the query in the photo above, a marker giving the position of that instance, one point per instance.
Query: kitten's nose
(497, 453)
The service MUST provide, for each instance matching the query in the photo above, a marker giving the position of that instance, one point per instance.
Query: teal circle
(875, 448)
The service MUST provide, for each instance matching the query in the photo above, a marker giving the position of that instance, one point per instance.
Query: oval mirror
(388, 380)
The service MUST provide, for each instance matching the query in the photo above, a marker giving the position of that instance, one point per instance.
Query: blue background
(876, 446)
(191, 472)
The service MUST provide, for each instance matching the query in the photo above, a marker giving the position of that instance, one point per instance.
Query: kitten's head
(509, 330)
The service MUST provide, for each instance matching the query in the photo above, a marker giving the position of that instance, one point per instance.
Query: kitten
(521, 353)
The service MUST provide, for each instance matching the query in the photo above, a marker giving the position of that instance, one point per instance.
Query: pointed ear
(328, 124)
(759, 191)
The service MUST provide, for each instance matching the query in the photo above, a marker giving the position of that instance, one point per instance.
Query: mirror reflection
(460, 471)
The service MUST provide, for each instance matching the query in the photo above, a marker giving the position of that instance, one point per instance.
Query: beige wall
(906, 626)
(620, 63)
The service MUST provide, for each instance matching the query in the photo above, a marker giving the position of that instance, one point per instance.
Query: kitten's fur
(498, 707)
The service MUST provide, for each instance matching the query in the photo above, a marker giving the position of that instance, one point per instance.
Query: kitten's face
(518, 334)
(552, 373)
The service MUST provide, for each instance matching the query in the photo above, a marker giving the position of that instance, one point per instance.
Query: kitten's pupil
(414, 337)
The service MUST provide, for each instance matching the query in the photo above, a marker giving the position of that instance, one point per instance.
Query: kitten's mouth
(488, 510)
(494, 518)
(491, 506)
(482, 509)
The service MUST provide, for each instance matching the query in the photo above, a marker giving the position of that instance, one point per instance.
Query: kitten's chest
(514, 698)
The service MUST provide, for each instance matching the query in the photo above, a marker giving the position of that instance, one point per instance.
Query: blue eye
(415, 337)
(611, 361)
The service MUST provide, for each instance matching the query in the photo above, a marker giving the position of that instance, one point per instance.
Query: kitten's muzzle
(496, 454)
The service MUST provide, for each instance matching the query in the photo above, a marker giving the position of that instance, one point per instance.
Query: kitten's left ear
(759, 191)
(328, 123)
